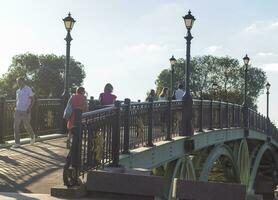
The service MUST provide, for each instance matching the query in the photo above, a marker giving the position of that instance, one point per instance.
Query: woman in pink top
(78, 101)
(107, 98)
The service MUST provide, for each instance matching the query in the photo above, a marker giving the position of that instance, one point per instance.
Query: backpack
(68, 110)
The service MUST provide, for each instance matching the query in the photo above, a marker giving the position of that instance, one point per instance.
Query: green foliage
(44, 73)
(225, 71)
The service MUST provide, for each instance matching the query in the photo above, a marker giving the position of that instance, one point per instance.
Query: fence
(46, 118)
(106, 133)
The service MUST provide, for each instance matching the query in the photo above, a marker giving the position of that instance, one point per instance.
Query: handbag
(68, 110)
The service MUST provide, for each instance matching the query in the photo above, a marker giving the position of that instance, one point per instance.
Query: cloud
(143, 55)
(271, 67)
(264, 54)
(214, 48)
(251, 28)
(274, 24)
(261, 26)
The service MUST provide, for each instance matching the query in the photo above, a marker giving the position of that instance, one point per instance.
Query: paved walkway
(33, 168)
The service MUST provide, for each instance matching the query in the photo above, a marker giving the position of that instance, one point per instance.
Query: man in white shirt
(179, 92)
(24, 103)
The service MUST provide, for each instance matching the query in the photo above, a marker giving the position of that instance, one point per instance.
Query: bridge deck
(33, 169)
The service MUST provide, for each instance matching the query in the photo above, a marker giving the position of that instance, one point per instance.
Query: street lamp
(246, 60)
(187, 99)
(188, 21)
(214, 88)
(69, 22)
(267, 105)
(173, 61)
(267, 102)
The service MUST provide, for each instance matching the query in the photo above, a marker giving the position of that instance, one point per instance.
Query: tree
(44, 73)
(225, 71)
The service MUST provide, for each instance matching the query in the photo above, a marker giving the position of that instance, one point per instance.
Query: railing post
(2, 119)
(187, 129)
(169, 120)
(116, 136)
(73, 161)
(35, 116)
(238, 116)
(220, 114)
(201, 116)
(150, 124)
(234, 117)
(227, 114)
(259, 121)
(126, 126)
(246, 120)
(211, 115)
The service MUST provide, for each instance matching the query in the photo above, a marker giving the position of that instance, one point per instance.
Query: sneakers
(32, 141)
(14, 146)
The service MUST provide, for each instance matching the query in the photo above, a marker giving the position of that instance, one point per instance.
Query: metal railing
(46, 118)
(105, 133)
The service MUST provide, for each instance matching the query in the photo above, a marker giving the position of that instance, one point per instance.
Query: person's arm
(32, 99)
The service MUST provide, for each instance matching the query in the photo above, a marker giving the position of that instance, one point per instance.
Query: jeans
(22, 116)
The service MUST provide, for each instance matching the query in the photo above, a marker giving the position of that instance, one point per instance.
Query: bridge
(199, 140)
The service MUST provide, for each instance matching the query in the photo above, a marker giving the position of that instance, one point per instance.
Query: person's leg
(26, 120)
(17, 121)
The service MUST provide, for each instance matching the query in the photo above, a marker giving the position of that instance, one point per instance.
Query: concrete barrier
(188, 190)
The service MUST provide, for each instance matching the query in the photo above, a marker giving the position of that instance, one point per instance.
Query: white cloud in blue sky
(128, 42)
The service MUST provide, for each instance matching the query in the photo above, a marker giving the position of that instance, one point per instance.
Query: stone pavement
(28, 196)
(32, 168)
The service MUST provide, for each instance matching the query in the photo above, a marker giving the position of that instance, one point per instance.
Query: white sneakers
(32, 141)
(14, 146)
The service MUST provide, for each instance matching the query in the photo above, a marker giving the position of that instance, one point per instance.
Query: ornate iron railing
(46, 117)
(105, 133)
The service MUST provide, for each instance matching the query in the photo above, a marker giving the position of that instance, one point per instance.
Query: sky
(128, 42)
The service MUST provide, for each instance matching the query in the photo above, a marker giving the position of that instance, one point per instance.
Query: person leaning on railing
(163, 96)
(107, 98)
(77, 101)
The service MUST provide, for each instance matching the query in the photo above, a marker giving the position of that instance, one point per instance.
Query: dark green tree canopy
(44, 73)
(226, 72)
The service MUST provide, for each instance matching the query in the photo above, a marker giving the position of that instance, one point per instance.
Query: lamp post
(188, 21)
(267, 105)
(246, 60)
(214, 88)
(69, 22)
(173, 61)
(267, 99)
(187, 99)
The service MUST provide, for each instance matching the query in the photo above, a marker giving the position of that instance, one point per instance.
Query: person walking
(164, 94)
(179, 93)
(151, 95)
(24, 103)
(107, 98)
(77, 101)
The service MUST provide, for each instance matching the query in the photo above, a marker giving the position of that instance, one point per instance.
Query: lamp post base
(187, 115)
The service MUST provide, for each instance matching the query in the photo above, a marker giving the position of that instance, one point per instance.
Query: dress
(78, 101)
